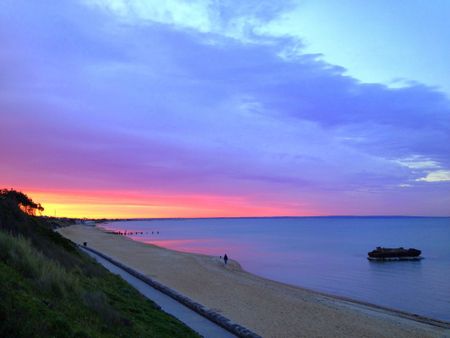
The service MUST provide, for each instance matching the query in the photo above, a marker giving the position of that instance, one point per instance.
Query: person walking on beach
(225, 259)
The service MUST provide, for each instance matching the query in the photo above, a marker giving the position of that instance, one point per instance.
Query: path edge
(213, 316)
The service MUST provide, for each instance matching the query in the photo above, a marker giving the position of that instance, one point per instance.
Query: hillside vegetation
(48, 288)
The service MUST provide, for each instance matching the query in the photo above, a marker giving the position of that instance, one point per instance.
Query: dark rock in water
(394, 253)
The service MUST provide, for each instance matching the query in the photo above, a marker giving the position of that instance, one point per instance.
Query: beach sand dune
(269, 308)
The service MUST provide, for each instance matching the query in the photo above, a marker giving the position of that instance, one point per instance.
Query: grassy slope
(50, 289)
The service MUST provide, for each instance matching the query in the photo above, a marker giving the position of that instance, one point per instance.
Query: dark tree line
(24, 202)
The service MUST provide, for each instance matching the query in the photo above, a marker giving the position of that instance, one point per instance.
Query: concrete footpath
(198, 323)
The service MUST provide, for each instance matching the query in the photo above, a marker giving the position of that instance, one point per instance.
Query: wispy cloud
(237, 20)
(418, 162)
(436, 176)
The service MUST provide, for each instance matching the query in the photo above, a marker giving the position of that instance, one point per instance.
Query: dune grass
(46, 274)
(48, 288)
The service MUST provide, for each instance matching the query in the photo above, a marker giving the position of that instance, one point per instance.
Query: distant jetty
(394, 254)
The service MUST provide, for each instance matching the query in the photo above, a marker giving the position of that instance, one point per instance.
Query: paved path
(198, 323)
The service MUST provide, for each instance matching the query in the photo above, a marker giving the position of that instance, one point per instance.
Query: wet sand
(269, 308)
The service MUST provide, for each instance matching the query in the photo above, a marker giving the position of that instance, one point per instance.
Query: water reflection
(325, 254)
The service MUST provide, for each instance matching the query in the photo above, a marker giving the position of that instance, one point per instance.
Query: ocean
(326, 254)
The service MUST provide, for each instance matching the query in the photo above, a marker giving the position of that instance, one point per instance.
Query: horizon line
(249, 217)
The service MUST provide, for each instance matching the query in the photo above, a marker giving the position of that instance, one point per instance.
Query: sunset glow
(199, 109)
(102, 204)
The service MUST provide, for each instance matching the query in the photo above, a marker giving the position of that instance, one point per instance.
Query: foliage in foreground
(50, 289)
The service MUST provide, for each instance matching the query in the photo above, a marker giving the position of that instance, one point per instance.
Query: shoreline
(263, 300)
(351, 301)
(382, 309)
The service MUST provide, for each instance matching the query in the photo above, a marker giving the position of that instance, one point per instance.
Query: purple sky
(250, 104)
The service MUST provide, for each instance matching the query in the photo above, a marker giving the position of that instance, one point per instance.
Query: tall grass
(47, 274)
(48, 288)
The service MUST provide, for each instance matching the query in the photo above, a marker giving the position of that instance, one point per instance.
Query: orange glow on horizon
(126, 204)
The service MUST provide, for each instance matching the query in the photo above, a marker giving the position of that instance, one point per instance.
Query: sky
(134, 108)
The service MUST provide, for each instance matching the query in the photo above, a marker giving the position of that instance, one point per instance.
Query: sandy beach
(269, 308)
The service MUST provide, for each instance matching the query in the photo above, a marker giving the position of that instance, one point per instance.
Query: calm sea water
(327, 254)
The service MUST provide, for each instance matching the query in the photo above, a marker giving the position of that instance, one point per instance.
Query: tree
(24, 202)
